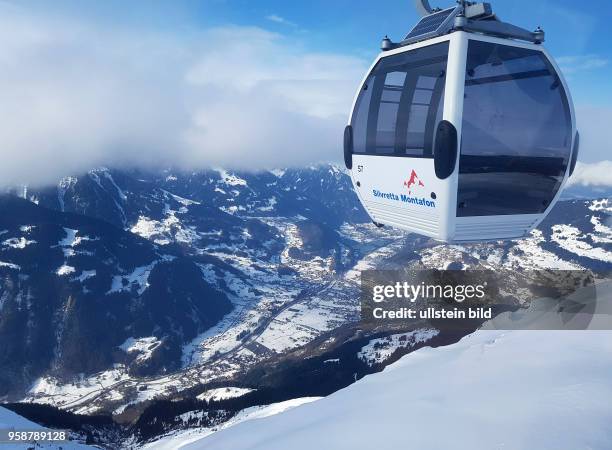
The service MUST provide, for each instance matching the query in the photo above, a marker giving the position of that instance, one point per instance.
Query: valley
(222, 281)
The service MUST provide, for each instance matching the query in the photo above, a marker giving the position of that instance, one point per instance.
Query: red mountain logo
(414, 180)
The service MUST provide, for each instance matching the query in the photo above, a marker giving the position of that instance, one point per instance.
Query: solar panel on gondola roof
(430, 24)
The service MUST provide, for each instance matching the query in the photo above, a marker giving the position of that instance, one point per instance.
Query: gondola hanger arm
(423, 7)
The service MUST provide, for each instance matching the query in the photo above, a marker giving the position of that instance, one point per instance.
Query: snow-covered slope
(9, 421)
(182, 439)
(492, 390)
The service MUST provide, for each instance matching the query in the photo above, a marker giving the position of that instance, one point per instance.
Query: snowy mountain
(152, 296)
(121, 247)
(492, 390)
(75, 288)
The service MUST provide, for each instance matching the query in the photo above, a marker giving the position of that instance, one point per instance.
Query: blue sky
(232, 83)
(579, 36)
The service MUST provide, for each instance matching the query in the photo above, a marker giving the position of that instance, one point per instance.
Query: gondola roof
(467, 16)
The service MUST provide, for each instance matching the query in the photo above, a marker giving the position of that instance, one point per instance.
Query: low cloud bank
(75, 96)
(595, 174)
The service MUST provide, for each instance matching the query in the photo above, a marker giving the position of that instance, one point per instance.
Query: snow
(19, 243)
(231, 179)
(379, 350)
(571, 239)
(157, 388)
(223, 393)
(384, 243)
(9, 265)
(72, 394)
(170, 228)
(12, 421)
(270, 206)
(65, 270)
(139, 278)
(451, 253)
(208, 273)
(603, 233)
(182, 200)
(492, 390)
(9, 419)
(601, 205)
(71, 241)
(183, 439)
(149, 228)
(278, 173)
(298, 325)
(85, 275)
(531, 250)
(144, 347)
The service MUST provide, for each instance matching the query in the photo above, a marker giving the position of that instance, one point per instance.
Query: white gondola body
(425, 204)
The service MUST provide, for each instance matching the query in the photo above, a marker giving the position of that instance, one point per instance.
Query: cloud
(281, 20)
(594, 126)
(584, 63)
(596, 174)
(75, 95)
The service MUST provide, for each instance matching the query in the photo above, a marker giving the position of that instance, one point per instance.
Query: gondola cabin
(464, 131)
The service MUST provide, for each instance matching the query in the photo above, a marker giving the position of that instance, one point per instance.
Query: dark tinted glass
(401, 103)
(516, 132)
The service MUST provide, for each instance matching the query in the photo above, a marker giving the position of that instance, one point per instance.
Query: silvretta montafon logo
(414, 180)
(410, 184)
